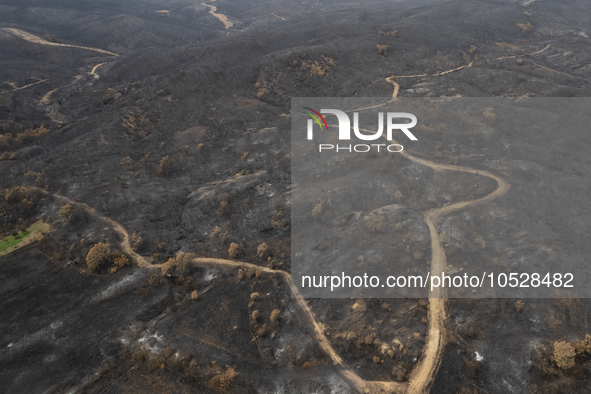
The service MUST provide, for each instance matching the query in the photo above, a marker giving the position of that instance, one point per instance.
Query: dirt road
(423, 374)
(93, 71)
(38, 40)
(305, 314)
(24, 87)
(221, 17)
(47, 97)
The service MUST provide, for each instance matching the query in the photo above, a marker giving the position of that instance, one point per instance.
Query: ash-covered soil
(183, 139)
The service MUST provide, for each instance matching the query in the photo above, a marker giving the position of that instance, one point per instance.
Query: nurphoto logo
(362, 134)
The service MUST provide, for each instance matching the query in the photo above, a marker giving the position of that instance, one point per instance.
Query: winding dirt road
(392, 79)
(46, 99)
(221, 17)
(38, 40)
(424, 372)
(305, 314)
(423, 375)
(93, 71)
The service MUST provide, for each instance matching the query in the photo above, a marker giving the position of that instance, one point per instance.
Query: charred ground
(184, 140)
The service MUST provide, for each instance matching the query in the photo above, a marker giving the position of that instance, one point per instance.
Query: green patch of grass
(13, 240)
(37, 229)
